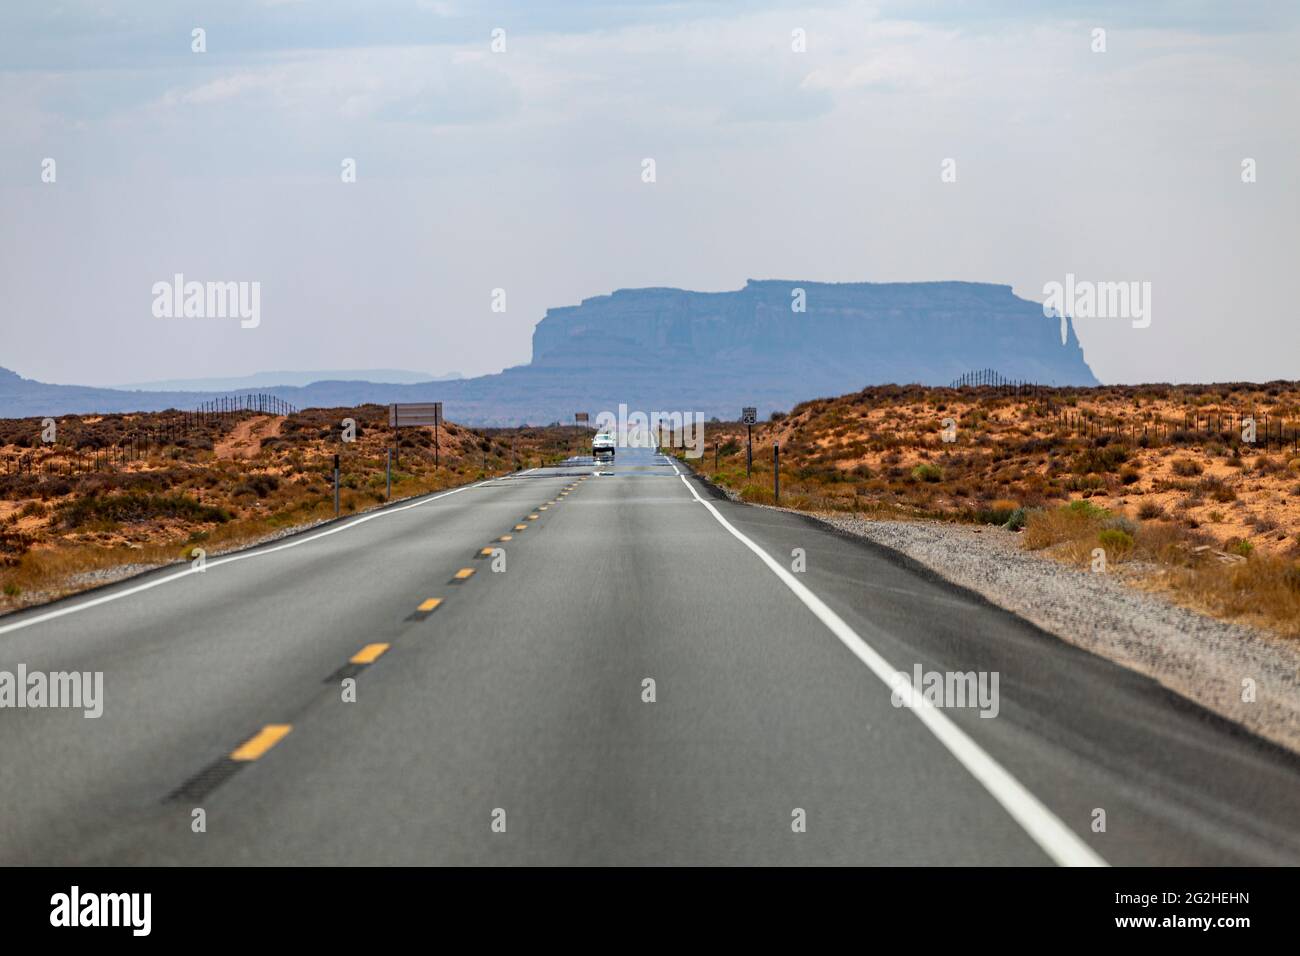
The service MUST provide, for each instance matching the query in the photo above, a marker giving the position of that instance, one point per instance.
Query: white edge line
(255, 551)
(1056, 839)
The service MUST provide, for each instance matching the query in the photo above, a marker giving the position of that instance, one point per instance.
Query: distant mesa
(670, 350)
(662, 349)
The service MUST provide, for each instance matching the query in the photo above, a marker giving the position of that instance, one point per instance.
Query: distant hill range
(712, 352)
(264, 380)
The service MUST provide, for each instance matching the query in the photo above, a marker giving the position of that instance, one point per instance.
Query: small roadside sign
(405, 414)
(408, 414)
(749, 415)
(581, 417)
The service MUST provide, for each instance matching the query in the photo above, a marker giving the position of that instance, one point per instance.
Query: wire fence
(259, 402)
(992, 378)
(138, 444)
(1227, 427)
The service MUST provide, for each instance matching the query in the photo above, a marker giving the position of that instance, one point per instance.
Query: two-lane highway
(645, 673)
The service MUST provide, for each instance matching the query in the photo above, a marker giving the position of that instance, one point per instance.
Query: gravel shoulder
(1203, 659)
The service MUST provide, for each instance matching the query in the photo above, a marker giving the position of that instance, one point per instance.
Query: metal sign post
(776, 471)
(748, 418)
(336, 486)
(397, 440)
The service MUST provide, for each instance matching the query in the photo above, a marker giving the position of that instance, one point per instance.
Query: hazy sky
(522, 170)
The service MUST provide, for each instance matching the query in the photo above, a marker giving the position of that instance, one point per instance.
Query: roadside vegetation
(84, 508)
(1157, 477)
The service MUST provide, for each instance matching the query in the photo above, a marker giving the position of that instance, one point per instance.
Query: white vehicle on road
(602, 446)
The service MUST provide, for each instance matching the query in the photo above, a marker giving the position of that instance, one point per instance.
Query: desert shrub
(1130, 476)
(1217, 489)
(259, 484)
(1262, 523)
(1119, 523)
(1291, 577)
(997, 512)
(1087, 509)
(1149, 510)
(927, 472)
(1185, 468)
(33, 509)
(133, 506)
(1118, 543)
(1046, 527)
(1099, 460)
(1161, 541)
(146, 481)
(55, 487)
(18, 486)
(13, 545)
(1242, 547)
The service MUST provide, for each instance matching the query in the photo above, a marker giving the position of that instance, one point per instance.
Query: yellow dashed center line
(521, 527)
(261, 742)
(464, 573)
(429, 605)
(368, 654)
(532, 517)
(486, 552)
(504, 537)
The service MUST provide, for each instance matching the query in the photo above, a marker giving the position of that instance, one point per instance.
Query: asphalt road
(509, 724)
